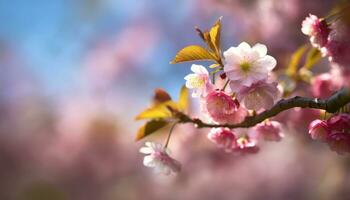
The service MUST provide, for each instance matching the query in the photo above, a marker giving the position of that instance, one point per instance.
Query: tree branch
(331, 105)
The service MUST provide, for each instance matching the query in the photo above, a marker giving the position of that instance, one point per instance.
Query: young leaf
(313, 56)
(183, 98)
(149, 128)
(214, 33)
(160, 96)
(159, 111)
(294, 61)
(192, 53)
(215, 65)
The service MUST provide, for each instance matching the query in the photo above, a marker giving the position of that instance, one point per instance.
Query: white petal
(261, 49)
(148, 161)
(146, 150)
(232, 56)
(244, 46)
(267, 62)
(199, 69)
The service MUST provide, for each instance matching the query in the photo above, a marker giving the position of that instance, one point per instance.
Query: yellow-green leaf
(313, 56)
(159, 111)
(294, 61)
(183, 98)
(215, 33)
(192, 53)
(215, 65)
(149, 128)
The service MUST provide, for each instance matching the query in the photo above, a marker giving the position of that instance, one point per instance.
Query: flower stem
(170, 132)
(223, 89)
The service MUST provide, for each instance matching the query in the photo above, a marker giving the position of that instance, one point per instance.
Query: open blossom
(246, 65)
(269, 131)
(222, 108)
(158, 158)
(261, 94)
(198, 81)
(223, 137)
(317, 29)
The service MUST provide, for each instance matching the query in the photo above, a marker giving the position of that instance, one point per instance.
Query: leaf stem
(169, 135)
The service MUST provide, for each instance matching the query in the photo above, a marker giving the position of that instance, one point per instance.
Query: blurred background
(75, 73)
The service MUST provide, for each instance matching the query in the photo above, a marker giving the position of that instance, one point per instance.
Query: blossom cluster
(252, 89)
(335, 131)
(332, 39)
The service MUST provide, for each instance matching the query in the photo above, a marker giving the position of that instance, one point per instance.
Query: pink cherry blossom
(222, 108)
(318, 130)
(317, 29)
(261, 94)
(199, 81)
(269, 130)
(246, 65)
(158, 158)
(223, 137)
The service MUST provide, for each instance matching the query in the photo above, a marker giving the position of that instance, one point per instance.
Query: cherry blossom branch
(331, 105)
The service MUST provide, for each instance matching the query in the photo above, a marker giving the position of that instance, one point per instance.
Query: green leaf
(192, 53)
(313, 56)
(159, 111)
(183, 98)
(149, 128)
(294, 61)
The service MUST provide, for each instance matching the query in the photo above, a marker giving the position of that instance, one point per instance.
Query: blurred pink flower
(318, 130)
(199, 81)
(269, 131)
(317, 29)
(339, 141)
(335, 132)
(222, 108)
(158, 157)
(324, 85)
(223, 137)
(246, 65)
(261, 94)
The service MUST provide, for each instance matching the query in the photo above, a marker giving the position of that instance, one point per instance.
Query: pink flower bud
(318, 130)
(223, 137)
(269, 130)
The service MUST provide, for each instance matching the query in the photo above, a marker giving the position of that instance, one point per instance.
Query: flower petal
(261, 49)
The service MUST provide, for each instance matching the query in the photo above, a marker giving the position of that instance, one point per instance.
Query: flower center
(245, 66)
(197, 82)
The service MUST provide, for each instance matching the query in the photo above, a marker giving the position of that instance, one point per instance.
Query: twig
(331, 105)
